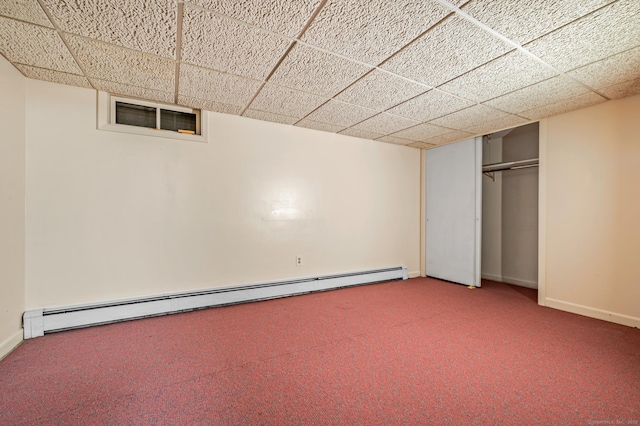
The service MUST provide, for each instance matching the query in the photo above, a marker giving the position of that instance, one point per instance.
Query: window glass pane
(135, 115)
(175, 120)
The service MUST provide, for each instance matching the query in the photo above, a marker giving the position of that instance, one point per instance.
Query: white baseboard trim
(593, 312)
(491, 277)
(10, 344)
(414, 274)
(521, 283)
(37, 322)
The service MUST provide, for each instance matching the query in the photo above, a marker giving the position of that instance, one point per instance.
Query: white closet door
(454, 208)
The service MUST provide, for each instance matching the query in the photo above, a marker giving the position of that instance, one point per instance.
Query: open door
(453, 211)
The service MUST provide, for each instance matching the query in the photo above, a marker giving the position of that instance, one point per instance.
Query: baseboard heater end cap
(405, 274)
(33, 323)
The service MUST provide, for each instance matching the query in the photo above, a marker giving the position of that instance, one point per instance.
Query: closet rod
(509, 165)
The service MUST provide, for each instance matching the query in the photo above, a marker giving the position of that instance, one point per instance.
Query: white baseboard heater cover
(37, 322)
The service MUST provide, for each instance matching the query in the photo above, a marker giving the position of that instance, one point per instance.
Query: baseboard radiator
(37, 322)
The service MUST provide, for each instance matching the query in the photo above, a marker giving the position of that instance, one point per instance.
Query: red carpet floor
(407, 352)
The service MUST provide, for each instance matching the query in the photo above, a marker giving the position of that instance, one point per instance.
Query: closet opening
(510, 209)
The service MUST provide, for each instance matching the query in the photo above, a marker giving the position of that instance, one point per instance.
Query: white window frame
(107, 119)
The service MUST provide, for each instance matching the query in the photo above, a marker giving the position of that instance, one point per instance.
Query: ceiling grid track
(61, 35)
(178, 48)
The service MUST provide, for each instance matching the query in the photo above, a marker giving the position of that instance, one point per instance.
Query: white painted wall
(520, 209)
(111, 215)
(492, 212)
(12, 199)
(591, 198)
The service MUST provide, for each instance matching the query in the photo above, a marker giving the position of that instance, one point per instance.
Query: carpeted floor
(420, 351)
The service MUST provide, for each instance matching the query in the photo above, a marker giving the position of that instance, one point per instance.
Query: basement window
(150, 118)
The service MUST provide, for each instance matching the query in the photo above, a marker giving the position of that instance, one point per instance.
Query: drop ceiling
(418, 73)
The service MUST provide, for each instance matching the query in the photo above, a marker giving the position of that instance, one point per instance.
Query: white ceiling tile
(316, 125)
(114, 63)
(24, 10)
(215, 86)
(285, 101)
(133, 91)
(430, 105)
(225, 45)
(615, 69)
(146, 25)
(317, 72)
(54, 76)
(537, 95)
(269, 116)
(421, 145)
(341, 114)
(283, 17)
(510, 72)
(358, 133)
(37, 46)
(495, 125)
(610, 30)
(421, 132)
(445, 138)
(209, 105)
(371, 31)
(469, 117)
(525, 20)
(622, 90)
(385, 124)
(448, 50)
(394, 140)
(380, 90)
(566, 105)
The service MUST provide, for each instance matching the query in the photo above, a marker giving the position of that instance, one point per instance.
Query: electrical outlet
(298, 260)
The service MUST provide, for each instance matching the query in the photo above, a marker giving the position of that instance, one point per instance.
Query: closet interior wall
(510, 209)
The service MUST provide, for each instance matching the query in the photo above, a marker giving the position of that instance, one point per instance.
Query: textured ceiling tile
(209, 105)
(285, 101)
(215, 86)
(371, 31)
(385, 124)
(283, 17)
(421, 132)
(430, 105)
(225, 45)
(380, 90)
(31, 45)
(146, 25)
(421, 145)
(268, 116)
(133, 91)
(449, 137)
(316, 125)
(317, 72)
(469, 117)
(394, 140)
(537, 95)
(616, 69)
(54, 76)
(566, 105)
(608, 31)
(24, 10)
(446, 51)
(113, 63)
(495, 125)
(358, 133)
(622, 90)
(525, 20)
(503, 75)
(341, 114)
